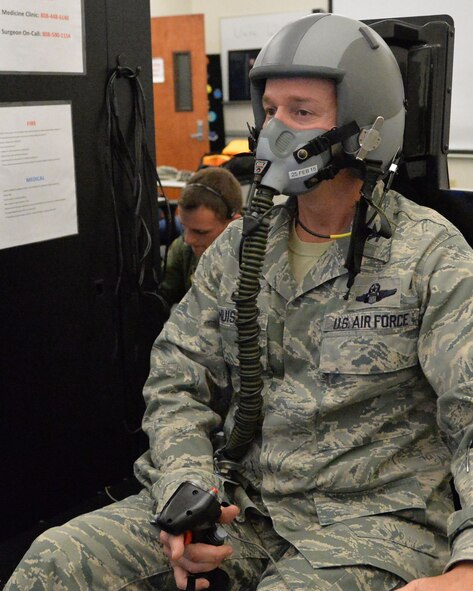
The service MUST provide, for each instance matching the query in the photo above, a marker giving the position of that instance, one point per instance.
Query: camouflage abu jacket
(180, 268)
(368, 402)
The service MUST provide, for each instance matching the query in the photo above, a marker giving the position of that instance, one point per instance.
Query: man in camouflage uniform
(209, 202)
(367, 398)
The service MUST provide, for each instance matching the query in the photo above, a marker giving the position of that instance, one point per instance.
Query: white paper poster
(41, 36)
(158, 70)
(37, 179)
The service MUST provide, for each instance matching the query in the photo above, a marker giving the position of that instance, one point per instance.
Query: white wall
(170, 7)
(237, 114)
(214, 10)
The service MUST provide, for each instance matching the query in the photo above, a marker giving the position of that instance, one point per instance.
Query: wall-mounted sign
(42, 37)
(37, 178)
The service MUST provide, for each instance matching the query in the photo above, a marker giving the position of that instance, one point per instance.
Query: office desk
(172, 189)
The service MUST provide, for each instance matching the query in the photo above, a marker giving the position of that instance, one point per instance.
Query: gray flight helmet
(367, 76)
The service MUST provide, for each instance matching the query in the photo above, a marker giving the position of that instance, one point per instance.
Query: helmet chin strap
(323, 142)
(369, 140)
(361, 230)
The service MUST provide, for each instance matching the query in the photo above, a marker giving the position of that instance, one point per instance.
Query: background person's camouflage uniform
(367, 401)
(180, 268)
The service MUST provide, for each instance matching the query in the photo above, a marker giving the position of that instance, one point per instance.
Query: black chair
(423, 47)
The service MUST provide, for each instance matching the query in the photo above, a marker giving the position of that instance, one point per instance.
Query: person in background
(209, 202)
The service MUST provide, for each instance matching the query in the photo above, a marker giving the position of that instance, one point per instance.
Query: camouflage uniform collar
(332, 263)
(276, 269)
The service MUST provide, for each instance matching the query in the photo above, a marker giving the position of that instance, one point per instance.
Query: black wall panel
(74, 348)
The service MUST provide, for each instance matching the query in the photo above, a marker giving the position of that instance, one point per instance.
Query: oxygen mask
(286, 159)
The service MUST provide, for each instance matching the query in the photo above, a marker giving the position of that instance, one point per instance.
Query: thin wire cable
(326, 236)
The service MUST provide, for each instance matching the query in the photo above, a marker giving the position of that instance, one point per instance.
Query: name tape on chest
(375, 320)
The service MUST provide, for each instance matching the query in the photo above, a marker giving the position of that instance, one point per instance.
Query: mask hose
(255, 238)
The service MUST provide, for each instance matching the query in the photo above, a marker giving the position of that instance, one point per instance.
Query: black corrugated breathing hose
(255, 237)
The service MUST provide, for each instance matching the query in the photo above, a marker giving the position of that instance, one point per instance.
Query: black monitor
(240, 63)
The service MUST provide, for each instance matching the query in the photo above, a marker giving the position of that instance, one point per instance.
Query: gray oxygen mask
(282, 162)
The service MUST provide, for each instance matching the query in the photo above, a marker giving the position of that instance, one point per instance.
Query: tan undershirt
(303, 255)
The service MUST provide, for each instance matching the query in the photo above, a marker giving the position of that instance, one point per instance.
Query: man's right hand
(196, 558)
